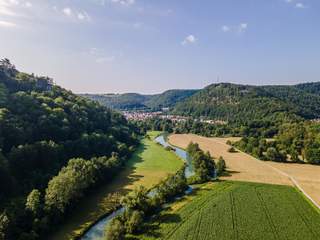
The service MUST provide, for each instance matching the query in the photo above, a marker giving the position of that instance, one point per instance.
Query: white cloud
(243, 27)
(83, 16)
(189, 40)
(67, 11)
(124, 2)
(105, 59)
(225, 28)
(300, 5)
(28, 4)
(74, 14)
(7, 24)
(100, 56)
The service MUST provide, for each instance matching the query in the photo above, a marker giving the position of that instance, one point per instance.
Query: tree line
(295, 142)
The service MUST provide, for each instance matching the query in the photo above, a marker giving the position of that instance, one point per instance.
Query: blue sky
(147, 46)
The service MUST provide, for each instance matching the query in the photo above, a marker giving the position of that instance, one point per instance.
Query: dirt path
(243, 167)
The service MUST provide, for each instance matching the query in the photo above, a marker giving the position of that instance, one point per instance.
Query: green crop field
(238, 210)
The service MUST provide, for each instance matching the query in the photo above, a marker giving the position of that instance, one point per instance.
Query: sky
(148, 46)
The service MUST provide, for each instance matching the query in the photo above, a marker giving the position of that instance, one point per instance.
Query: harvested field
(308, 177)
(243, 167)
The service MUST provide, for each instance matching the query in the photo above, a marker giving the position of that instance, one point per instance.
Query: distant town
(142, 116)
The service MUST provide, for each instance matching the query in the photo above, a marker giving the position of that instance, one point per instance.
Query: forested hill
(313, 87)
(243, 103)
(42, 127)
(130, 101)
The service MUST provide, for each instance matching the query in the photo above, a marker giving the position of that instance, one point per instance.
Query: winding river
(96, 232)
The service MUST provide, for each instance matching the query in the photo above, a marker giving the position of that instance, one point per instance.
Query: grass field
(239, 210)
(150, 164)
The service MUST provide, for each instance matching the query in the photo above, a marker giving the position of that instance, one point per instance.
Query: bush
(221, 166)
(232, 150)
(115, 230)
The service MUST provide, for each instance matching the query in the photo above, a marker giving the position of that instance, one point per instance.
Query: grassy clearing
(150, 164)
(238, 210)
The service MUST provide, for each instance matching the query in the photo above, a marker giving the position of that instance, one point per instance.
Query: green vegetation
(148, 166)
(54, 148)
(295, 142)
(243, 103)
(140, 205)
(238, 210)
(221, 166)
(203, 164)
(135, 101)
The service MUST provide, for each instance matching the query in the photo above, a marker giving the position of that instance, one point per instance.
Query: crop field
(149, 164)
(239, 210)
(243, 167)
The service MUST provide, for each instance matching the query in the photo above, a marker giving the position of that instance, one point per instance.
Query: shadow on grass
(228, 173)
(97, 200)
(152, 229)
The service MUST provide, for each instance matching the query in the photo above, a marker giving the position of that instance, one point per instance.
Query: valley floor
(230, 210)
(243, 167)
(150, 164)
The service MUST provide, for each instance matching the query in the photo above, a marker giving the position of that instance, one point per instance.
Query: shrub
(232, 150)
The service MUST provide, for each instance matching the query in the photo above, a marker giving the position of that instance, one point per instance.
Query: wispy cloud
(7, 24)
(124, 2)
(296, 4)
(300, 5)
(77, 15)
(241, 28)
(225, 28)
(100, 57)
(67, 11)
(191, 39)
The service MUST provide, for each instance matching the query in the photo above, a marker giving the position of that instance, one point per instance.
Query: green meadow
(148, 165)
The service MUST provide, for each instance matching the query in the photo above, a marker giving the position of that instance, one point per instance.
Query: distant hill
(313, 87)
(129, 101)
(242, 103)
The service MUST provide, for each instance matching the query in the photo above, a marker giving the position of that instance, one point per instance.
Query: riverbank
(150, 164)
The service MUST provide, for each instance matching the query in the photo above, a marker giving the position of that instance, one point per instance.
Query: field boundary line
(292, 179)
(234, 216)
(203, 204)
(295, 182)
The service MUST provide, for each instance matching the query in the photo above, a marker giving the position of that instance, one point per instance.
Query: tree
(273, 154)
(4, 224)
(33, 203)
(134, 222)
(137, 199)
(221, 166)
(115, 230)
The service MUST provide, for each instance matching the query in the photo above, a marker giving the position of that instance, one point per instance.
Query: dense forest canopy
(243, 103)
(42, 127)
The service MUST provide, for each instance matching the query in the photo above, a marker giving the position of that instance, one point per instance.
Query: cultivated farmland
(239, 210)
(243, 167)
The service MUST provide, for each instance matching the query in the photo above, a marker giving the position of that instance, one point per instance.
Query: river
(96, 232)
